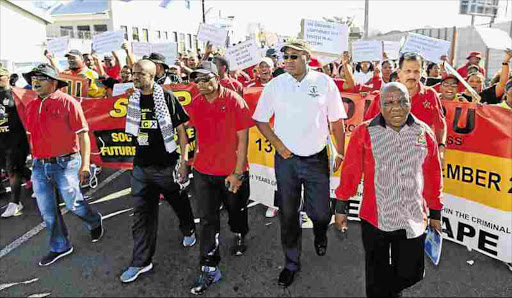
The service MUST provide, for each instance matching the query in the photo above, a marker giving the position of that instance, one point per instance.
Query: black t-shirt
(11, 128)
(488, 96)
(150, 143)
(278, 71)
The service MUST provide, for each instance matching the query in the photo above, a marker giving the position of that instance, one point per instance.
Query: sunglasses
(293, 57)
(446, 84)
(40, 78)
(202, 79)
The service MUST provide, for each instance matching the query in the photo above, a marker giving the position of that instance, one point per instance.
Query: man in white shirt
(303, 104)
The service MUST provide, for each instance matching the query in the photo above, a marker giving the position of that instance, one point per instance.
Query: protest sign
(243, 55)
(271, 38)
(366, 51)
(108, 41)
(140, 49)
(392, 49)
(58, 46)
(216, 36)
(430, 48)
(325, 37)
(121, 88)
(495, 38)
(168, 49)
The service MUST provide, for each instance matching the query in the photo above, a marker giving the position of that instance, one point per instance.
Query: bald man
(154, 115)
(399, 158)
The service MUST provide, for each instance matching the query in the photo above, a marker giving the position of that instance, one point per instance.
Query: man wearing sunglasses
(425, 103)
(61, 149)
(304, 104)
(222, 121)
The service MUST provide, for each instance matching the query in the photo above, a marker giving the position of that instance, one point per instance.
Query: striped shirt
(402, 174)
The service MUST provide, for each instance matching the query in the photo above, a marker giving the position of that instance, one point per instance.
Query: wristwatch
(240, 177)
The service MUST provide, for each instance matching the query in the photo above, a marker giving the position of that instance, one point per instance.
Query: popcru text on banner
(477, 172)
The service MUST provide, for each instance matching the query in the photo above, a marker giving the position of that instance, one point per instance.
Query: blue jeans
(292, 174)
(61, 176)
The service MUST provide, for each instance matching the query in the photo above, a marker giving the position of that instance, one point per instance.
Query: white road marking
(8, 285)
(116, 213)
(113, 196)
(40, 295)
(34, 231)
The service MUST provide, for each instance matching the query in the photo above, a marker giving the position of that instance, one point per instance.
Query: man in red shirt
(112, 68)
(222, 121)
(398, 156)
(226, 81)
(473, 59)
(61, 149)
(264, 69)
(425, 103)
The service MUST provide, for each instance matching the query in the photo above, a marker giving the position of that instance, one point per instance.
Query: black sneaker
(208, 276)
(239, 246)
(54, 256)
(97, 232)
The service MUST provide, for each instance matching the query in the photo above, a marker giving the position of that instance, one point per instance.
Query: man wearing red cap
(473, 59)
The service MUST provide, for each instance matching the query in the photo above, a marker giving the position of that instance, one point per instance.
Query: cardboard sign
(366, 51)
(58, 46)
(325, 37)
(431, 48)
(243, 55)
(392, 49)
(168, 49)
(495, 38)
(108, 41)
(140, 49)
(121, 88)
(216, 36)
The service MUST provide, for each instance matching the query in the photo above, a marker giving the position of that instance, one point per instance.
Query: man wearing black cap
(161, 77)
(14, 147)
(222, 121)
(77, 67)
(304, 104)
(61, 149)
(272, 54)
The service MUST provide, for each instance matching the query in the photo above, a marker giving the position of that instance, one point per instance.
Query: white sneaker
(13, 209)
(271, 212)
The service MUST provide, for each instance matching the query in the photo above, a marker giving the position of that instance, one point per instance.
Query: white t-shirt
(302, 110)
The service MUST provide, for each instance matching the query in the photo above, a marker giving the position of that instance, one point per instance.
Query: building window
(187, 4)
(84, 31)
(196, 42)
(135, 35)
(175, 36)
(189, 41)
(145, 35)
(158, 35)
(125, 30)
(67, 31)
(166, 35)
(182, 42)
(100, 28)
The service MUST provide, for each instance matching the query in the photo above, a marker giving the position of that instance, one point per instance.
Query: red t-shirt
(232, 84)
(53, 125)
(425, 105)
(216, 126)
(113, 72)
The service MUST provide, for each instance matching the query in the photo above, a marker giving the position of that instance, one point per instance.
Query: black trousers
(407, 261)
(147, 185)
(211, 192)
(291, 174)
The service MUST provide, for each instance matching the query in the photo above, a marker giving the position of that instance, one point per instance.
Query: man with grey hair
(154, 115)
(399, 158)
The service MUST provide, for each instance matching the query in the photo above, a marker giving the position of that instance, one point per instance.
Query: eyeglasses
(453, 85)
(40, 78)
(293, 57)
(205, 79)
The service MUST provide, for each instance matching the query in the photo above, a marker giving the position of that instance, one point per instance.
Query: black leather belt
(62, 158)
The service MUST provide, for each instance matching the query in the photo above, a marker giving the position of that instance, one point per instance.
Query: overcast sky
(284, 17)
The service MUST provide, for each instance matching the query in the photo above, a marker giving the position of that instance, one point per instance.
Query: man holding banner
(304, 104)
(425, 103)
(398, 156)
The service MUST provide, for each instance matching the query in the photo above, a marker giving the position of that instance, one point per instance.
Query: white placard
(431, 48)
(140, 49)
(58, 46)
(392, 49)
(495, 38)
(326, 37)
(366, 51)
(243, 55)
(168, 49)
(271, 38)
(108, 41)
(121, 88)
(216, 36)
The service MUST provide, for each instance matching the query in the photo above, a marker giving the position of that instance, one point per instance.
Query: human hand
(233, 183)
(84, 174)
(436, 224)
(283, 151)
(183, 173)
(338, 161)
(341, 222)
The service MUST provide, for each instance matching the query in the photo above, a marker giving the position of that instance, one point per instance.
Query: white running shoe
(13, 209)
(271, 212)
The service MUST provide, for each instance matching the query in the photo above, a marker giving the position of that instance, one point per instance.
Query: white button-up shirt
(302, 110)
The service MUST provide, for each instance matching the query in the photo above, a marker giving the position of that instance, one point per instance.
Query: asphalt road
(94, 268)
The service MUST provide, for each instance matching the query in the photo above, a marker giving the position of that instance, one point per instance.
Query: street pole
(487, 53)
(366, 8)
(204, 15)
